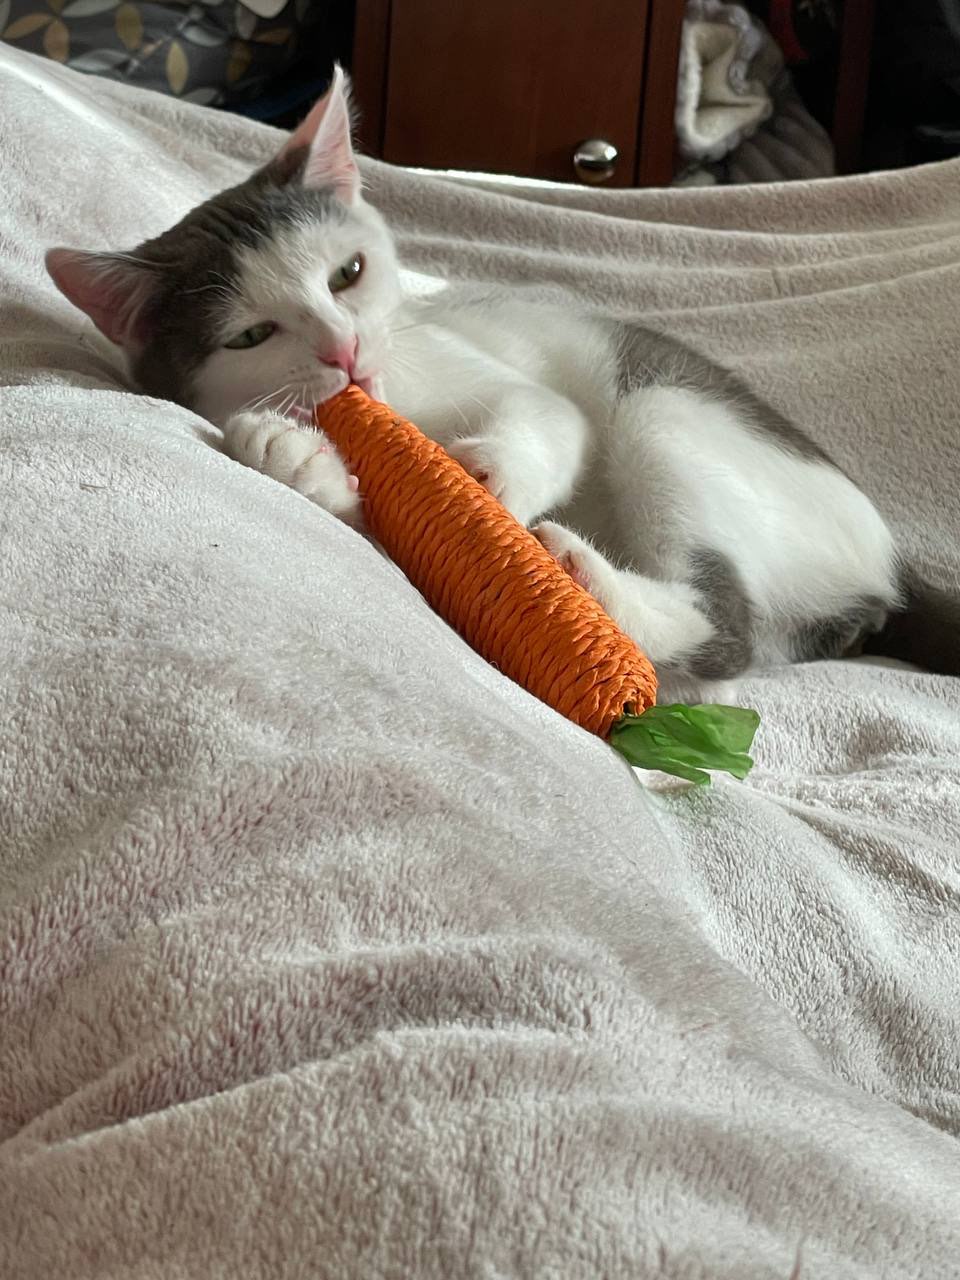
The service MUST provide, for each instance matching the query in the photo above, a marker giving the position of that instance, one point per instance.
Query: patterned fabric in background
(216, 52)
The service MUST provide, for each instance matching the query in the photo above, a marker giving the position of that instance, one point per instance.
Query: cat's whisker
(401, 363)
(480, 404)
(278, 393)
(283, 408)
(255, 403)
(466, 421)
(263, 402)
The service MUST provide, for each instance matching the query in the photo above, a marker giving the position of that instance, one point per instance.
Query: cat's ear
(114, 292)
(325, 132)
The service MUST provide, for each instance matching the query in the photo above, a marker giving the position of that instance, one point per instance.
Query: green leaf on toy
(686, 741)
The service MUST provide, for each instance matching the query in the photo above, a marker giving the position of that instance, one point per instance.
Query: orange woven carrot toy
(490, 578)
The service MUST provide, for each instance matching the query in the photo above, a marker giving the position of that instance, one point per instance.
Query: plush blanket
(328, 952)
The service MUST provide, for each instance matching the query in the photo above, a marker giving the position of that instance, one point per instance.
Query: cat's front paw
(504, 469)
(303, 459)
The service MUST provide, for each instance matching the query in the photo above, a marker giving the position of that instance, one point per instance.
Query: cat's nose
(342, 357)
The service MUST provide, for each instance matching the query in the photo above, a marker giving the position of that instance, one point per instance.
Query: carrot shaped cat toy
(490, 579)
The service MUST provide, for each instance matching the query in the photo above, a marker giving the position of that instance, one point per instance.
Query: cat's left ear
(326, 134)
(116, 292)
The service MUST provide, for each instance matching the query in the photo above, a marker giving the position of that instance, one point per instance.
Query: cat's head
(276, 292)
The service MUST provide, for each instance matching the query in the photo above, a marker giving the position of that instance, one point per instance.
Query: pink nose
(342, 357)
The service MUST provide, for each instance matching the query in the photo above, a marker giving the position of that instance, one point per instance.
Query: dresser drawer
(504, 86)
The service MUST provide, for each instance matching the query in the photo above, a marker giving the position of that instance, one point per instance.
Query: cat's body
(713, 530)
(665, 465)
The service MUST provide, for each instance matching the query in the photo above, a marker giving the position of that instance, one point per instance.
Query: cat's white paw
(585, 565)
(690, 689)
(508, 471)
(303, 459)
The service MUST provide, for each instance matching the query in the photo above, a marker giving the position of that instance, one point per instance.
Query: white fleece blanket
(327, 952)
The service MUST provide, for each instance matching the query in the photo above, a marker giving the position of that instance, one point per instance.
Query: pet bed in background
(739, 117)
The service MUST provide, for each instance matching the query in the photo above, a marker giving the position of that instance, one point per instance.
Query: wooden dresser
(573, 90)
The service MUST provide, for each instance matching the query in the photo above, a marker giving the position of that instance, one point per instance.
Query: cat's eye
(253, 336)
(346, 274)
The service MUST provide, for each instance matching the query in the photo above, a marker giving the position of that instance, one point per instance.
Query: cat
(714, 531)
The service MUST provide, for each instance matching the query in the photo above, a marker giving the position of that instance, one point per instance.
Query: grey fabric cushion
(219, 52)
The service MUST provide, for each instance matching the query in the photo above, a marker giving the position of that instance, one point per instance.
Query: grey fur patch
(194, 264)
(727, 605)
(647, 359)
(843, 634)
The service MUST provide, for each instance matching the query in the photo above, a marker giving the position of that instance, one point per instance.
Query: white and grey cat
(713, 530)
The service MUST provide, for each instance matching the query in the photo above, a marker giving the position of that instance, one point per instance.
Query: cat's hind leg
(686, 629)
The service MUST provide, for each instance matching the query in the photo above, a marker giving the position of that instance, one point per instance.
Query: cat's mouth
(365, 384)
(305, 413)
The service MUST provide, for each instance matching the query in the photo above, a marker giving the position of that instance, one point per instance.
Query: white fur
(285, 281)
(663, 617)
(659, 473)
(304, 460)
(805, 540)
(527, 400)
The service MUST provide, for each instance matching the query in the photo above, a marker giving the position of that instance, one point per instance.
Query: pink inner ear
(326, 132)
(306, 130)
(112, 292)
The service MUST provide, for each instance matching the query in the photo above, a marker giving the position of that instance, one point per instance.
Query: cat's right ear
(113, 291)
(325, 135)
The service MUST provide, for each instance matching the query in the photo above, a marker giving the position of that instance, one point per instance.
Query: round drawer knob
(595, 160)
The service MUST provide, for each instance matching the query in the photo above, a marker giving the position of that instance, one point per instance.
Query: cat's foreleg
(528, 451)
(298, 457)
